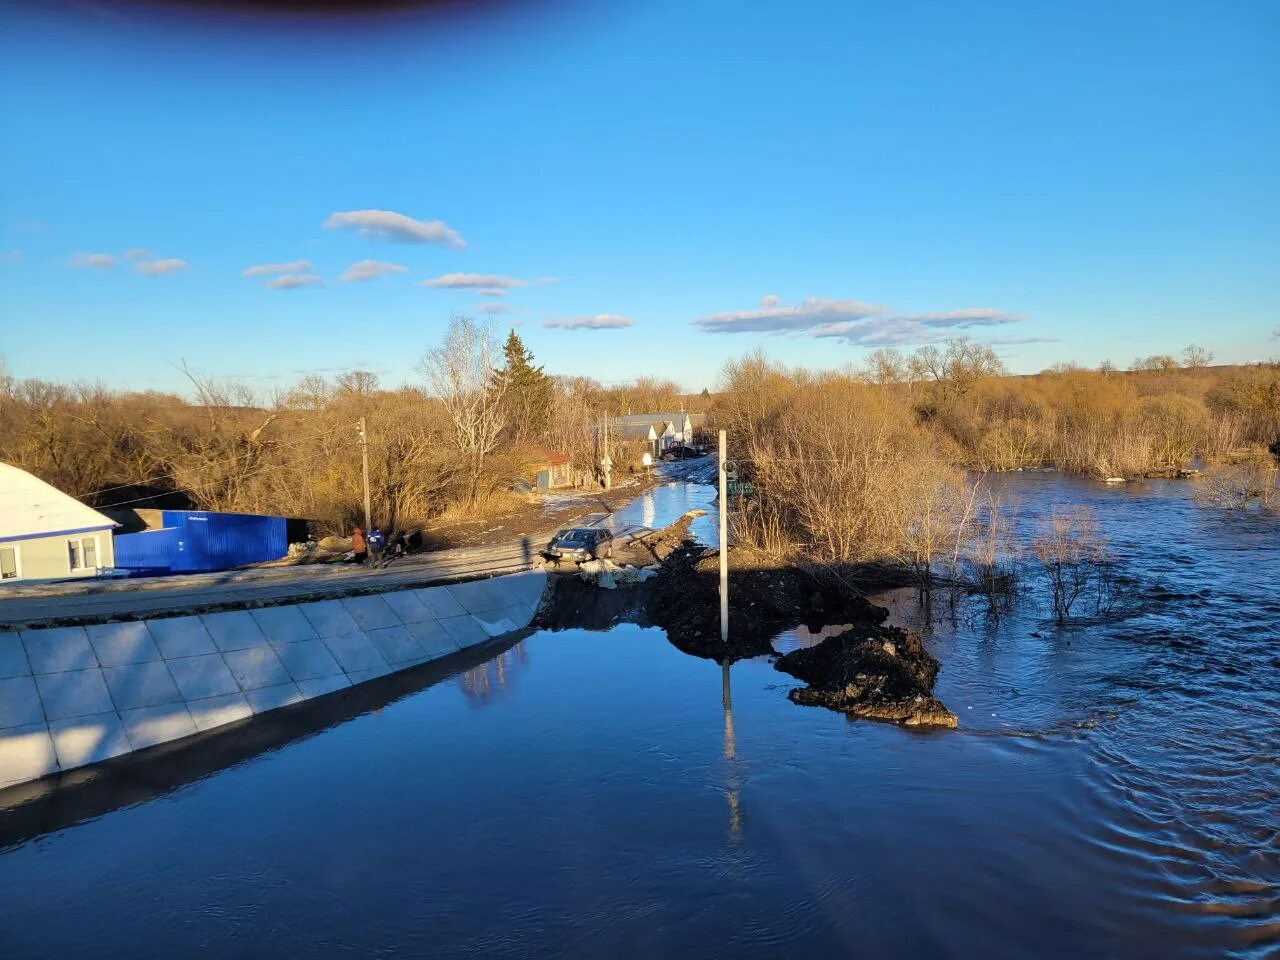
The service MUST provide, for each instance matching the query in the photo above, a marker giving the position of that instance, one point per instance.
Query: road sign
(647, 459)
(741, 488)
(730, 470)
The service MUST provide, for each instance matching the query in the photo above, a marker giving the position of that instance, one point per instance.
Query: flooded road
(1113, 790)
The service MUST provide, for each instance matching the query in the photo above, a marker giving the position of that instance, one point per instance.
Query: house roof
(641, 430)
(29, 507)
(677, 417)
(545, 455)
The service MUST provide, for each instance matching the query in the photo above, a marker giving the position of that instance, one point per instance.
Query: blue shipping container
(199, 542)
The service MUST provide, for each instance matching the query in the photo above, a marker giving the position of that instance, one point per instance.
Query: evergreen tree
(528, 392)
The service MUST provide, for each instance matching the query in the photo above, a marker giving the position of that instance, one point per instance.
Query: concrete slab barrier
(73, 696)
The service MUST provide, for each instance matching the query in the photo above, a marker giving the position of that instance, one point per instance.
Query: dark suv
(579, 544)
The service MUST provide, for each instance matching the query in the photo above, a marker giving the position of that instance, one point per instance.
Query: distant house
(671, 429)
(654, 434)
(47, 535)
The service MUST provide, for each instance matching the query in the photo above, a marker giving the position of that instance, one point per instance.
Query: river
(1112, 790)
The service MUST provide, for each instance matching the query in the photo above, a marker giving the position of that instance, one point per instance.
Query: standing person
(358, 545)
(377, 548)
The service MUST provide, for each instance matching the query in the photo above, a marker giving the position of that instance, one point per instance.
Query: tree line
(481, 417)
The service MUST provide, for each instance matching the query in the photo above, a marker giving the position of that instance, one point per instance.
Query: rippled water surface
(1112, 791)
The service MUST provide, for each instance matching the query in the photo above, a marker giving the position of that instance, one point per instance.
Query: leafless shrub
(1072, 555)
(1239, 486)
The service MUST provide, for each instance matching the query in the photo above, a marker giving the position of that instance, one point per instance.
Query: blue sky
(652, 187)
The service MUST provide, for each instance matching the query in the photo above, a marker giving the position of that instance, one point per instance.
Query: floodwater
(1113, 790)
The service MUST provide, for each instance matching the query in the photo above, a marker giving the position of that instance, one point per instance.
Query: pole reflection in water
(733, 782)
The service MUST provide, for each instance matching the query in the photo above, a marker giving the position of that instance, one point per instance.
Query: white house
(678, 428)
(47, 535)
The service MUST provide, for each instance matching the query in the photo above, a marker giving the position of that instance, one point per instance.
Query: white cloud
(137, 253)
(494, 308)
(548, 279)
(389, 225)
(968, 317)
(270, 269)
(161, 268)
(810, 313)
(291, 281)
(98, 261)
(770, 300)
(491, 292)
(371, 269)
(884, 330)
(601, 321)
(474, 281)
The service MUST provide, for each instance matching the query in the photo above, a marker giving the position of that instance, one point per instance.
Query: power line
(156, 496)
(170, 476)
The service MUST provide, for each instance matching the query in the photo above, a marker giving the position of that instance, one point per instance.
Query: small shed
(197, 541)
(550, 468)
(46, 534)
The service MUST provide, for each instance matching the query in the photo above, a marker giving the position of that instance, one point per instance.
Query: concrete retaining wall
(71, 696)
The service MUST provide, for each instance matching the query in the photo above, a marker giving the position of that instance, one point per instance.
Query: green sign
(740, 488)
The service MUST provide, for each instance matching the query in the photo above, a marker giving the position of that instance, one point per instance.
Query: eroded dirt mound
(883, 672)
(765, 598)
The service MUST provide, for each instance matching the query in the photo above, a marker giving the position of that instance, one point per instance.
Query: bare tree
(1072, 555)
(460, 374)
(1196, 357)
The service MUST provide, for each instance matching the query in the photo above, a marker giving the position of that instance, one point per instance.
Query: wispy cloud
(370, 269)
(475, 281)
(96, 261)
(864, 324)
(292, 281)
(601, 321)
(545, 280)
(162, 267)
(270, 269)
(137, 253)
(491, 292)
(389, 225)
(494, 308)
(963, 319)
(773, 317)
(11, 256)
(884, 331)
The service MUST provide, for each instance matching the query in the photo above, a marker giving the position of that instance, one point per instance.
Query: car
(580, 544)
(680, 453)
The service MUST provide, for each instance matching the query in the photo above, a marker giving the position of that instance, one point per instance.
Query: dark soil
(881, 672)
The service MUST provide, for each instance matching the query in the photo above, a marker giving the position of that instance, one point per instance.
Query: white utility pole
(605, 463)
(363, 433)
(724, 544)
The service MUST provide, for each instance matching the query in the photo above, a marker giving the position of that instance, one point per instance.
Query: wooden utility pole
(724, 544)
(363, 433)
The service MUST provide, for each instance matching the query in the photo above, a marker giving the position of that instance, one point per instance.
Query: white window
(10, 565)
(82, 553)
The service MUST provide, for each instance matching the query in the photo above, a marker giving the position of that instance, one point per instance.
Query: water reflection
(485, 681)
(733, 779)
